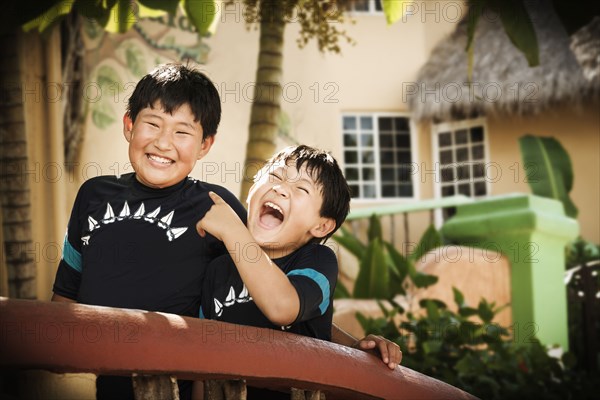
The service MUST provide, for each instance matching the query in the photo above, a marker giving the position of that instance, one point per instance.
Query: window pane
(462, 154)
(478, 170)
(378, 6)
(405, 190)
(461, 136)
(386, 140)
(368, 157)
(403, 140)
(366, 123)
(387, 157)
(349, 123)
(368, 174)
(447, 191)
(445, 139)
(464, 172)
(403, 157)
(368, 191)
(446, 157)
(387, 175)
(447, 174)
(378, 166)
(477, 152)
(385, 124)
(477, 134)
(401, 124)
(350, 157)
(351, 174)
(480, 189)
(350, 140)
(388, 190)
(465, 189)
(404, 173)
(353, 190)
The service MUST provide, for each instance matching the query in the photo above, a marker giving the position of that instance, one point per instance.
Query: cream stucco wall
(578, 130)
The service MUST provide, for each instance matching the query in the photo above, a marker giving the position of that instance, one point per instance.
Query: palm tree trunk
(266, 106)
(14, 182)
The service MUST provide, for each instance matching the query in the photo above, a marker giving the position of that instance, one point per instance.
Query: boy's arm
(263, 278)
(389, 351)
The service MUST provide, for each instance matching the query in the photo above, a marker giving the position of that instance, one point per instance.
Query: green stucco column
(532, 232)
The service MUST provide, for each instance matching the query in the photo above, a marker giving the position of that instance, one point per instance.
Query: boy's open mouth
(159, 159)
(271, 215)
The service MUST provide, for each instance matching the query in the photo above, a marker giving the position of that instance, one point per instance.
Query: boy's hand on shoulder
(220, 220)
(389, 351)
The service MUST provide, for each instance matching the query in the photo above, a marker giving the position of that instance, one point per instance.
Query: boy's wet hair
(174, 85)
(326, 173)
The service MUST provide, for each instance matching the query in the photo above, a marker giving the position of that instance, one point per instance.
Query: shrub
(467, 350)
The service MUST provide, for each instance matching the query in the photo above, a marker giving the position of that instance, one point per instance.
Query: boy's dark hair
(174, 85)
(326, 173)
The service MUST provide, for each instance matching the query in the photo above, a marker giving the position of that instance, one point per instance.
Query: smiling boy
(298, 200)
(277, 274)
(131, 241)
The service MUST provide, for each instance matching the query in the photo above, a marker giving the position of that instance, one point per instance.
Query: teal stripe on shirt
(320, 280)
(71, 256)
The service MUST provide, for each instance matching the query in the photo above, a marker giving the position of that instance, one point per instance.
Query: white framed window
(366, 6)
(378, 156)
(461, 157)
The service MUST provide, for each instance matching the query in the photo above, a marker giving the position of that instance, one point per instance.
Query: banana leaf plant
(384, 272)
(548, 169)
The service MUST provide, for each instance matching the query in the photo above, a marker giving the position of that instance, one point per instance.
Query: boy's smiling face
(284, 207)
(163, 147)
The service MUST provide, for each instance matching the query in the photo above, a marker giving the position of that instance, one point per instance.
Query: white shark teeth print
(85, 240)
(174, 233)
(230, 299)
(244, 297)
(218, 308)
(165, 221)
(93, 224)
(109, 215)
(125, 214)
(140, 212)
(152, 216)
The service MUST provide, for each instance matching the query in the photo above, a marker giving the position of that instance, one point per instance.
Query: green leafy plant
(467, 350)
(549, 170)
(550, 174)
(384, 272)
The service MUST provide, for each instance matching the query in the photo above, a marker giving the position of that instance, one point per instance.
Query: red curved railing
(64, 337)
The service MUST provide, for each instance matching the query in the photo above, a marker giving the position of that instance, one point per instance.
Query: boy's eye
(152, 124)
(303, 189)
(183, 133)
(274, 175)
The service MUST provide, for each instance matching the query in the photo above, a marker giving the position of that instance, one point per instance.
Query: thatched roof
(502, 82)
(585, 44)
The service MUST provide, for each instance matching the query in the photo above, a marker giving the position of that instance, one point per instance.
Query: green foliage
(581, 251)
(581, 278)
(383, 271)
(394, 9)
(201, 13)
(552, 172)
(515, 20)
(467, 350)
(116, 16)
